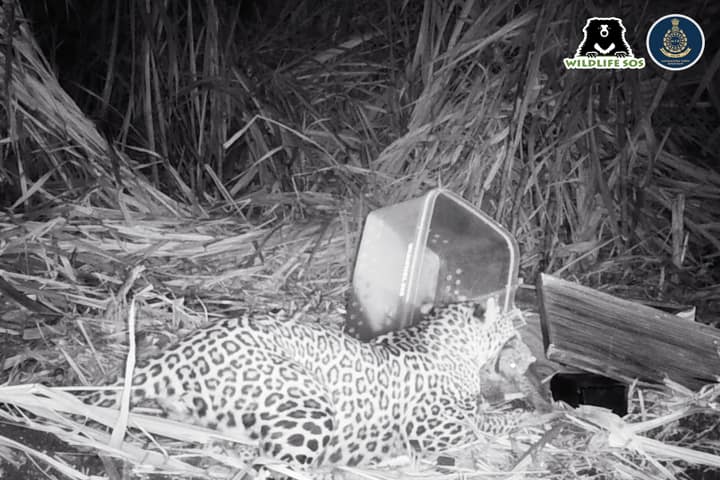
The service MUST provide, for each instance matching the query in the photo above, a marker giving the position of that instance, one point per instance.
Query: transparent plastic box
(436, 249)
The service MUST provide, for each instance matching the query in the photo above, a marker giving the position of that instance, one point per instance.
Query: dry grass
(240, 166)
(587, 442)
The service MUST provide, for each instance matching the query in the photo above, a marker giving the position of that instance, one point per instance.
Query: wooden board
(604, 334)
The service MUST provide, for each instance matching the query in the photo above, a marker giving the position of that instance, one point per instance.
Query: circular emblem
(675, 42)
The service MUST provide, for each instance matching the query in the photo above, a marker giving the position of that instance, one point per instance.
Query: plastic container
(436, 249)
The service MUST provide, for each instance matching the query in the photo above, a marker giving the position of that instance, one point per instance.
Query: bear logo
(605, 37)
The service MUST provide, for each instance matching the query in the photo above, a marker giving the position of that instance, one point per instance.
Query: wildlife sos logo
(675, 42)
(604, 46)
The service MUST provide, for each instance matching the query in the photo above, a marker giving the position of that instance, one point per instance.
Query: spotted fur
(313, 396)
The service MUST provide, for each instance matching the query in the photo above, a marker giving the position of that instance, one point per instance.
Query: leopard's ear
(478, 310)
(426, 308)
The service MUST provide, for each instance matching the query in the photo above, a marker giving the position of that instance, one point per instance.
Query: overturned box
(436, 249)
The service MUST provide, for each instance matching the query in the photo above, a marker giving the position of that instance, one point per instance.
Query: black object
(589, 389)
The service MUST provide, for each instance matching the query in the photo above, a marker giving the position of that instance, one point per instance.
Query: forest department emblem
(675, 41)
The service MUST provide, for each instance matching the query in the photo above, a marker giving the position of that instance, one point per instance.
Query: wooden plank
(604, 334)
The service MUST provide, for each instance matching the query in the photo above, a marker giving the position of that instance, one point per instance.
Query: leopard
(314, 397)
(510, 384)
